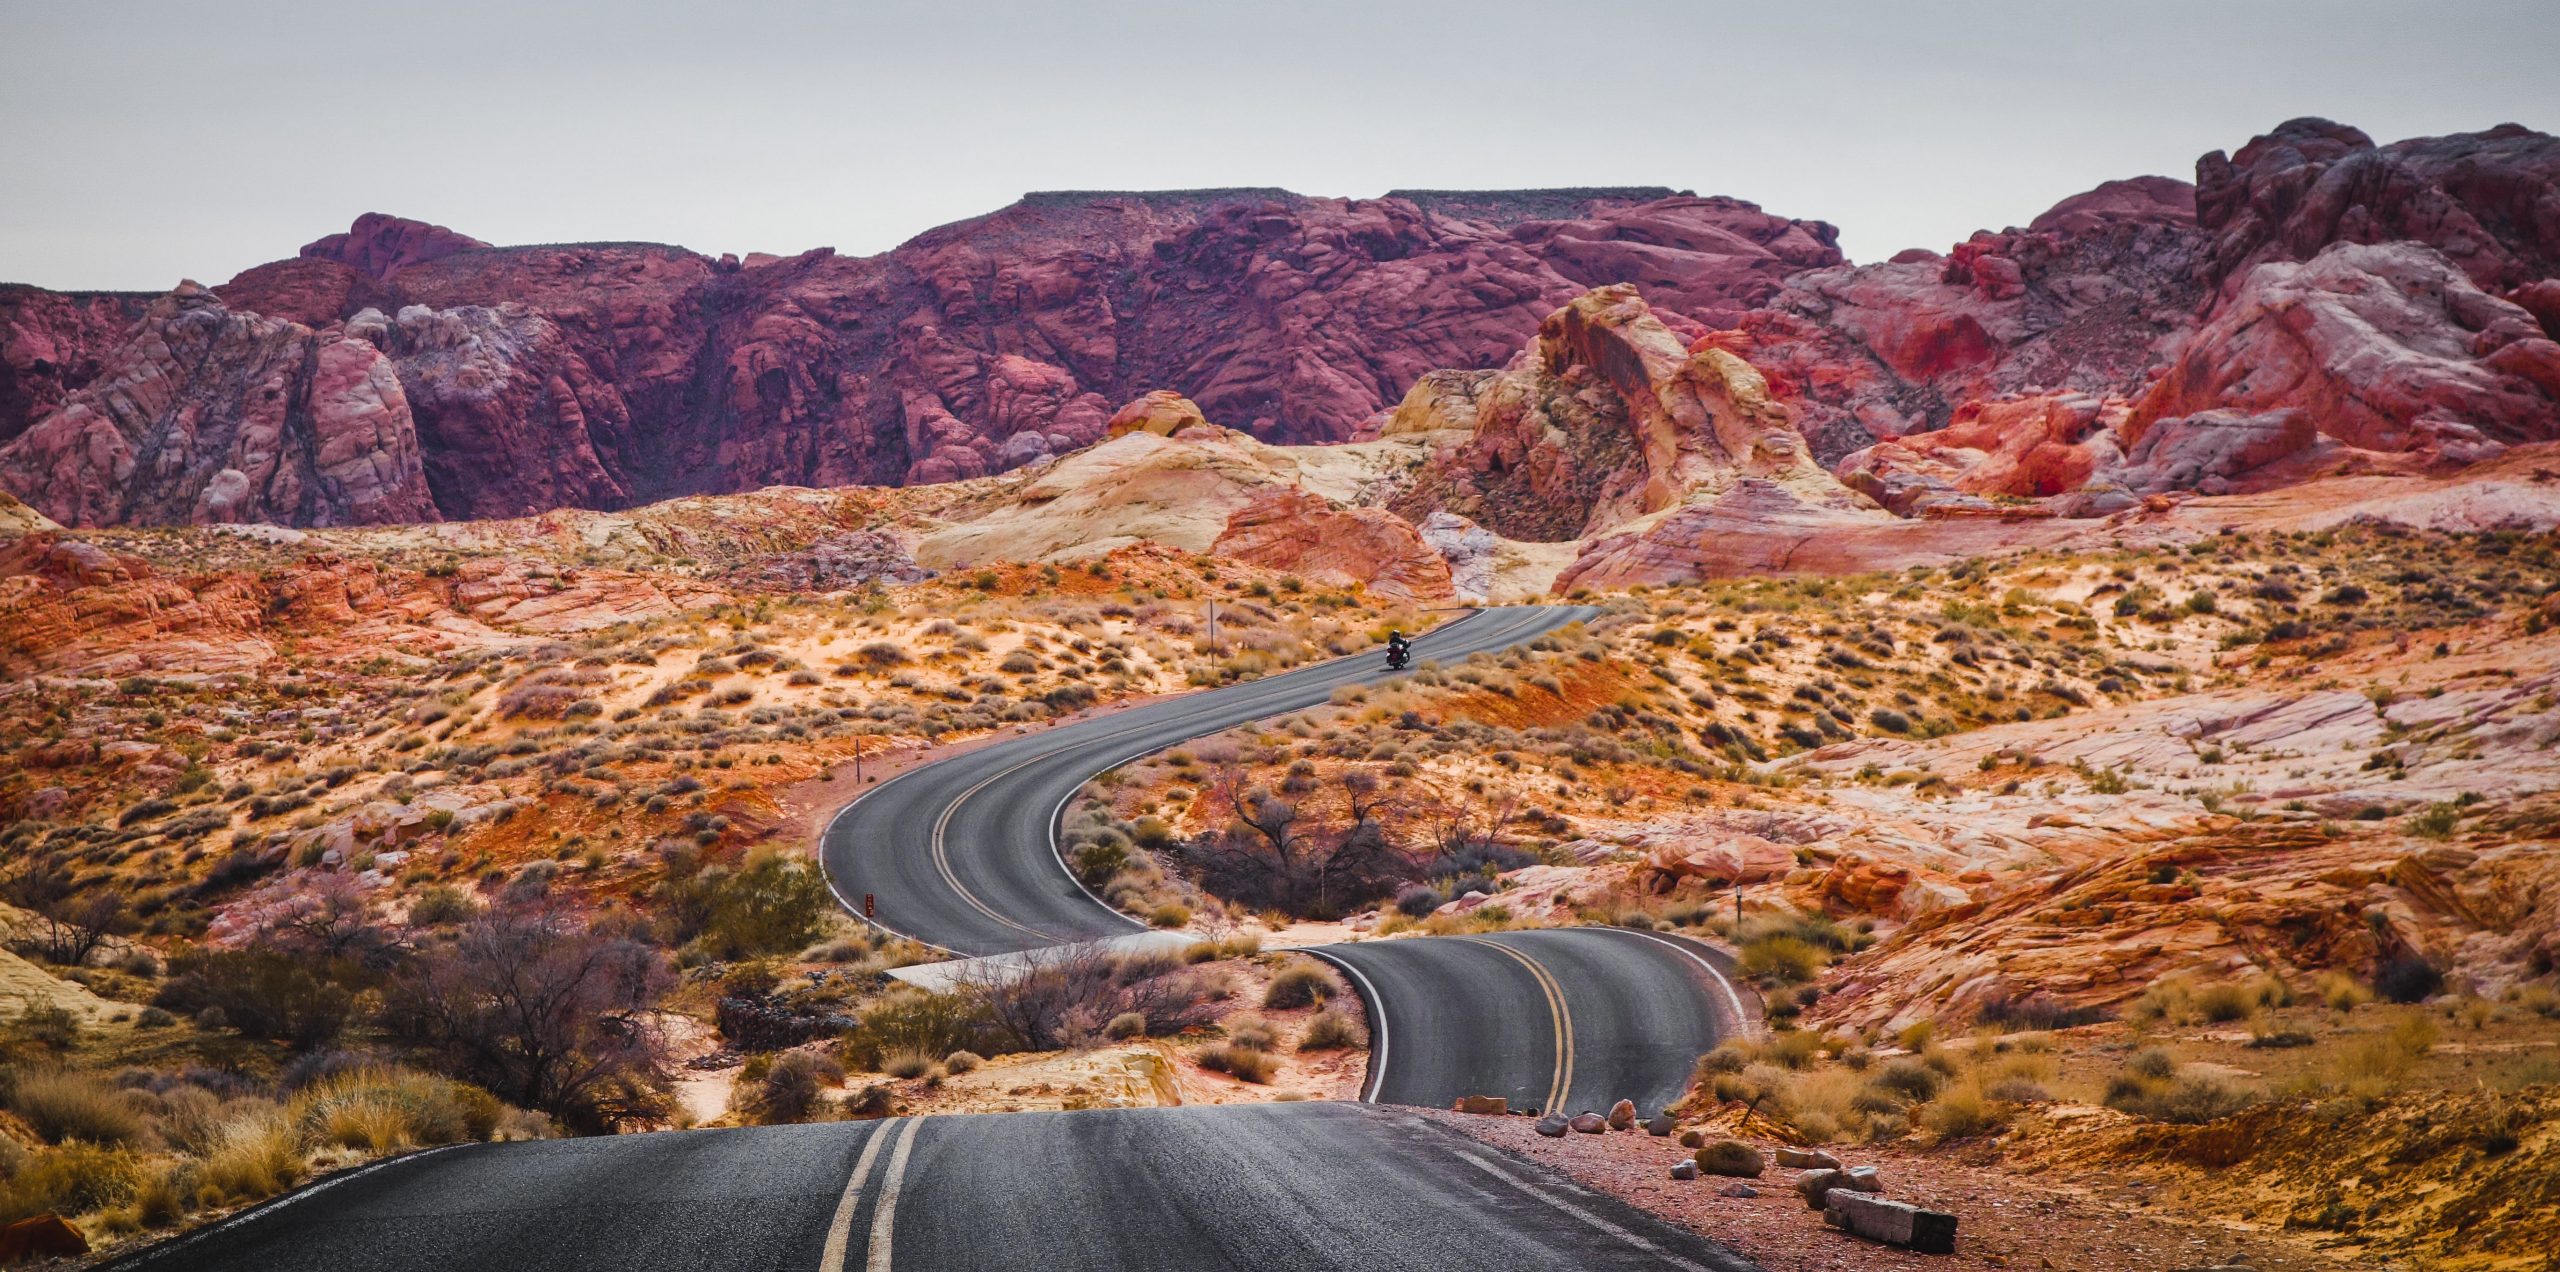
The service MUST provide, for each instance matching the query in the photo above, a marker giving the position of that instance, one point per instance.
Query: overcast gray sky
(145, 142)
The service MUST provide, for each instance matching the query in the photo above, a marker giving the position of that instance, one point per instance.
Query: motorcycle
(1399, 657)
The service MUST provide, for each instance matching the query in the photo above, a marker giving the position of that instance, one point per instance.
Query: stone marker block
(1493, 1104)
(1891, 1222)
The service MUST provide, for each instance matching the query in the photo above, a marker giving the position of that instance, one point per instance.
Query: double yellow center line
(1562, 1016)
(884, 1214)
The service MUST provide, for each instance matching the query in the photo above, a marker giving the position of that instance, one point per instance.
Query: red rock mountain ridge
(601, 375)
(2314, 302)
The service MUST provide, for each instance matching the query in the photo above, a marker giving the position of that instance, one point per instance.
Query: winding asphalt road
(1283, 1187)
(960, 854)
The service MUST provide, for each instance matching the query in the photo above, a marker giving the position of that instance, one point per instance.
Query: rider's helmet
(1393, 634)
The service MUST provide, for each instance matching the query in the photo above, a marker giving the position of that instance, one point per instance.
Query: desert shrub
(2226, 1001)
(382, 1108)
(2341, 992)
(2436, 821)
(75, 1179)
(442, 904)
(165, 1197)
(256, 1154)
(2154, 1086)
(2151, 1063)
(546, 1007)
(773, 904)
(794, 1089)
(1069, 995)
(48, 1025)
(1730, 1057)
(1781, 958)
(959, 1062)
(64, 1104)
(2408, 978)
(1730, 1157)
(1243, 1063)
(2035, 1012)
(1125, 1026)
(1912, 1079)
(1418, 899)
(907, 1019)
(1961, 1111)
(1300, 984)
(262, 993)
(906, 1064)
(1249, 1031)
(1333, 1031)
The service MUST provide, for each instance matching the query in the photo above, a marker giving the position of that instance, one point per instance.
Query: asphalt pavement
(1283, 1188)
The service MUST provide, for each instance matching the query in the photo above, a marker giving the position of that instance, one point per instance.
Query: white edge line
(1377, 1022)
(158, 1252)
(1631, 1238)
(1741, 1019)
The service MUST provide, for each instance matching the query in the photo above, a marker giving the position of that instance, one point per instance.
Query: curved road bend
(957, 854)
(1569, 1019)
(1283, 1188)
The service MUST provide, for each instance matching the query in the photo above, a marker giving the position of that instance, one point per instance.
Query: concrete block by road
(1891, 1222)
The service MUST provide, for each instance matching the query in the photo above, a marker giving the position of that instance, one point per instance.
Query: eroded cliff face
(599, 375)
(206, 415)
(2312, 303)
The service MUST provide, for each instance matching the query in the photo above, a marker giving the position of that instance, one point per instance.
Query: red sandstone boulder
(43, 1237)
(1309, 535)
(1607, 418)
(2387, 348)
(1162, 412)
(2046, 444)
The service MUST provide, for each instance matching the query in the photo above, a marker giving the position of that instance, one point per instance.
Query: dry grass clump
(2376, 1063)
(1301, 983)
(2182, 1000)
(2154, 1085)
(62, 1105)
(256, 1154)
(1830, 1088)
(381, 1110)
(1730, 1157)
(1333, 1031)
(1239, 1061)
(74, 1179)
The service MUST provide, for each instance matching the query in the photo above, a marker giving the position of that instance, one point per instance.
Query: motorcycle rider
(1399, 650)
